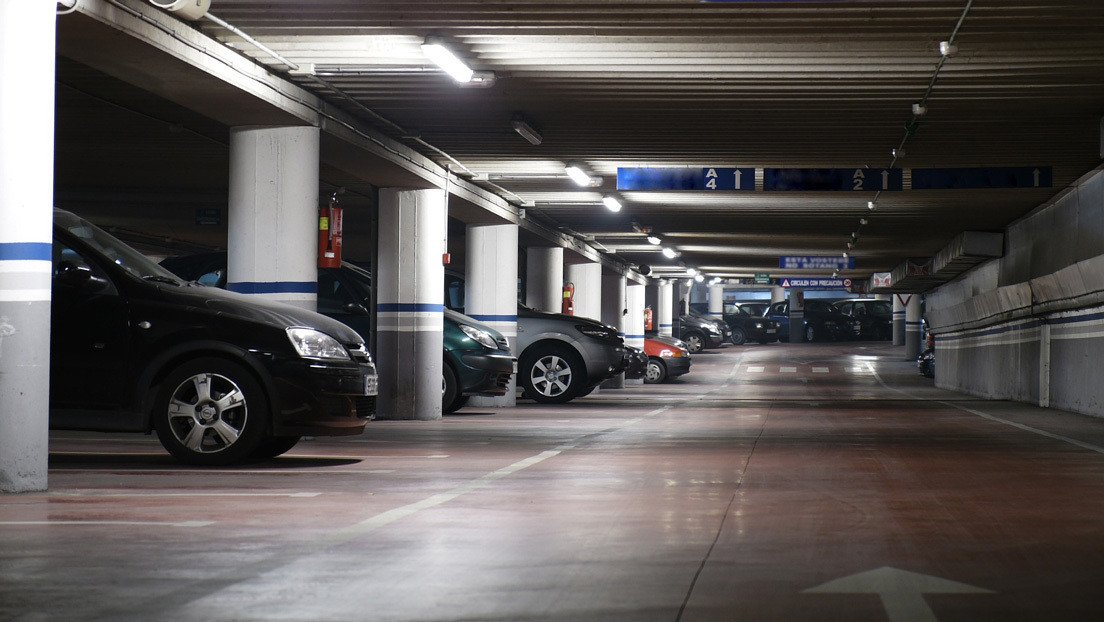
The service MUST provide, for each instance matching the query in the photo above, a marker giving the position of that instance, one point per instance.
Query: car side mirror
(356, 308)
(80, 277)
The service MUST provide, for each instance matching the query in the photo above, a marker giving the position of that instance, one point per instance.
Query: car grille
(359, 354)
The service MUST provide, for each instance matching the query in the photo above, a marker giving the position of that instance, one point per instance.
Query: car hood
(254, 309)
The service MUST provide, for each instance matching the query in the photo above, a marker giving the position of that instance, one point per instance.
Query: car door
(780, 312)
(89, 337)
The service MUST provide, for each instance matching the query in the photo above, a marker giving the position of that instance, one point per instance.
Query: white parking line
(820, 370)
(95, 494)
(127, 523)
(788, 370)
(756, 370)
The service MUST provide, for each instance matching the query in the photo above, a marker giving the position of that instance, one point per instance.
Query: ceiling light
(691, 271)
(612, 204)
(654, 241)
(699, 278)
(947, 49)
(863, 221)
(919, 110)
(845, 255)
(850, 245)
(446, 60)
(898, 153)
(669, 253)
(577, 175)
(871, 205)
(528, 132)
(835, 273)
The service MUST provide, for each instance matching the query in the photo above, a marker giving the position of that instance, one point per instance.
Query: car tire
(656, 372)
(561, 360)
(211, 412)
(810, 334)
(739, 337)
(695, 342)
(458, 403)
(450, 390)
(272, 446)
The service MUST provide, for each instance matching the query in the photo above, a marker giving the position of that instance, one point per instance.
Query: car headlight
(712, 329)
(481, 337)
(596, 332)
(758, 325)
(310, 343)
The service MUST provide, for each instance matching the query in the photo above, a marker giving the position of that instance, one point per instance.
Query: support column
(899, 301)
(409, 282)
(778, 294)
(634, 321)
(272, 220)
(490, 294)
(912, 328)
(1044, 365)
(544, 278)
(716, 302)
(587, 278)
(797, 315)
(665, 308)
(26, 230)
(614, 304)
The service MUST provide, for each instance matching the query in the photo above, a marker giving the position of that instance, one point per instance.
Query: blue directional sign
(816, 263)
(816, 179)
(977, 177)
(701, 179)
(817, 283)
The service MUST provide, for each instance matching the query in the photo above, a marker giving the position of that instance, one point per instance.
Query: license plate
(515, 366)
(771, 331)
(371, 385)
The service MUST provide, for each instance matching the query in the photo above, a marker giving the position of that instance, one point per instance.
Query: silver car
(563, 356)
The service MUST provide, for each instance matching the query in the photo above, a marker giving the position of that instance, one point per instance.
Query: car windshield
(818, 306)
(880, 307)
(122, 255)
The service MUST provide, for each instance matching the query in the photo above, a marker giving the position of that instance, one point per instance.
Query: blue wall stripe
(409, 307)
(991, 331)
(634, 336)
(278, 287)
(26, 251)
(494, 318)
(666, 325)
(1077, 318)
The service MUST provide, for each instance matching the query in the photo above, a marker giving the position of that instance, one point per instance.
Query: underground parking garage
(642, 310)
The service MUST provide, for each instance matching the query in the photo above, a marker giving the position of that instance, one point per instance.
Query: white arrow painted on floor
(901, 591)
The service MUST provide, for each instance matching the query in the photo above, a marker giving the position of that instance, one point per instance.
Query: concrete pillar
(272, 221)
(912, 328)
(634, 321)
(544, 278)
(26, 217)
(490, 293)
(614, 303)
(587, 278)
(665, 308)
(409, 282)
(716, 302)
(899, 301)
(797, 315)
(778, 294)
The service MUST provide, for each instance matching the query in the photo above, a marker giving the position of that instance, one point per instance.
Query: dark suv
(867, 319)
(748, 326)
(221, 377)
(822, 321)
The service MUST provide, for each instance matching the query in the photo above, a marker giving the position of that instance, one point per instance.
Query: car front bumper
(322, 399)
(677, 366)
(485, 373)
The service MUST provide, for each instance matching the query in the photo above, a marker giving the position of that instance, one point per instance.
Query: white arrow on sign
(739, 175)
(1037, 174)
(885, 180)
(901, 591)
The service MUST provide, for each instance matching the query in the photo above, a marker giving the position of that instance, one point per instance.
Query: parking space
(732, 493)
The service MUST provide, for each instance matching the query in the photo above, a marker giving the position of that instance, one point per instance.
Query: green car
(477, 357)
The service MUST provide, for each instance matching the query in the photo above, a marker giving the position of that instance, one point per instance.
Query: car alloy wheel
(694, 343)
(810, 334)
(551, 376)
(655, 373)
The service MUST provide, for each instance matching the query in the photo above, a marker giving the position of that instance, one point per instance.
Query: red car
(667, 358)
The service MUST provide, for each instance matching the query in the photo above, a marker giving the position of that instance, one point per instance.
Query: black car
(222, 377)
(822, 322)
(747, 326)
(701, 333)
(868, 319)
(636, 363)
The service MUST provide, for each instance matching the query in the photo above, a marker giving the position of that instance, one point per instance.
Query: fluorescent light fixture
(692, 271)
(871, 205)
(577, 175)
(446, 60)
(850, 245)
(845, 255)
(654, 241)
(527, 131)
(863, 221)
(919, 110)
(898, 153)
(612, 204)
(699, 278)
(669, 253)
(948, 49)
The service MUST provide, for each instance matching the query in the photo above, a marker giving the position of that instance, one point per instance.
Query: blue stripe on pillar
(410, 307)
(277, 287)
(25, 251)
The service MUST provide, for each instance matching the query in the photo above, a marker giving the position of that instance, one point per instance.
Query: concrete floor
(779, 482)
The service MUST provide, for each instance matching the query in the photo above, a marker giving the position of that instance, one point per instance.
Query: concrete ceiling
(673, 83)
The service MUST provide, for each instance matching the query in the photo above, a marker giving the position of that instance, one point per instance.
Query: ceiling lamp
(947, 49)
(871, 205)
(612, 204)
(187, 9)
(443, 57)
(526, 131)
(654, 240)
(577, 175)
(919, 110)
(670, 253)
(699, 278)
(692, 271)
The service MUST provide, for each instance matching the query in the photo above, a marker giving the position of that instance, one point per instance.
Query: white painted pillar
(410, 283)
(272, 219)
(490, 294)
(912, 327)
(797, 315)
(899, 301)
(587, 278)
(634, 321)
(778, 294)
(544, 278)
(1044, 365)
(614, 304)
(26, 231)
(666, 307)
(716, 302)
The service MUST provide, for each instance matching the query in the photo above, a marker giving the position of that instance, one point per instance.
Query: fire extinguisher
(329, 233)
(648, 319)
(568, 307)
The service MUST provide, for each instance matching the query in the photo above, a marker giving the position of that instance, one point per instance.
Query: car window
(778, 308)
(214, 278)
(112, 249)
(454, 293)
(881, 307)
(817, 306)
(844, 308)
(333, 295)
(860, 309)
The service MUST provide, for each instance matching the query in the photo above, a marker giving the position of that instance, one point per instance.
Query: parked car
(637, 364)
(868, 319)
(222, 377)
(667, 358)
(701, 333)
(926, 361)
(822, 322)
(746, 326)
(477, 358)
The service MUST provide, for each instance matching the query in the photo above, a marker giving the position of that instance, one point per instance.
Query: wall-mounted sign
(881, 279)
(991, 177)
(762, 278)
(817, 283)
(709, 179)
(816, 262)
(832, 179)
